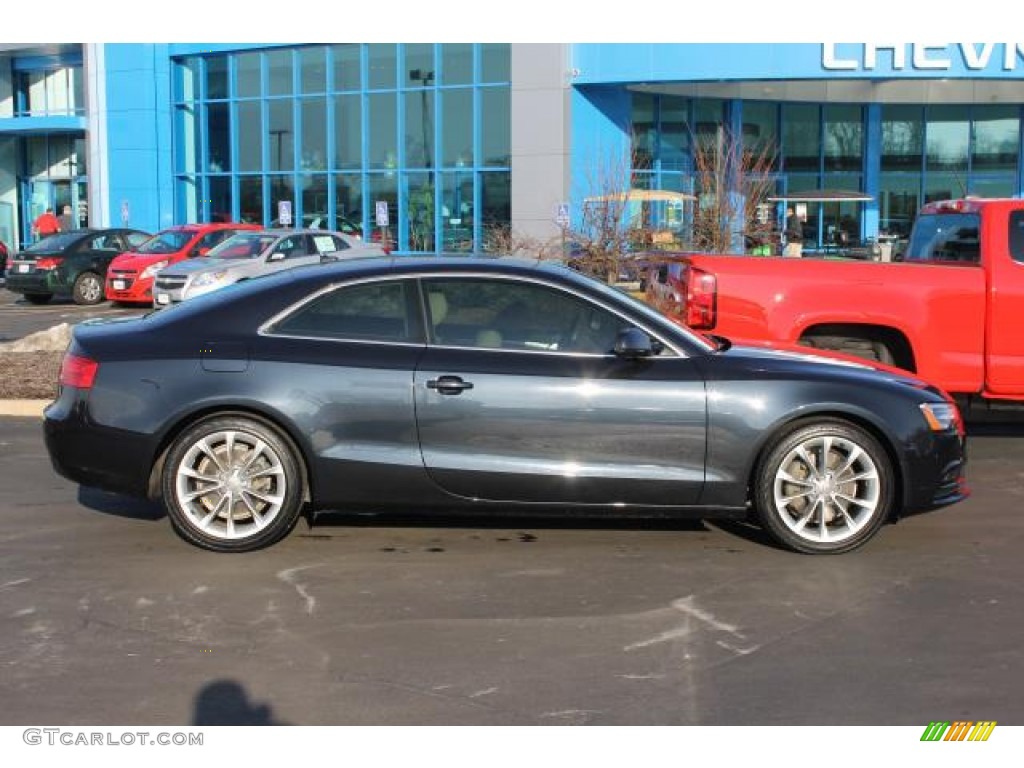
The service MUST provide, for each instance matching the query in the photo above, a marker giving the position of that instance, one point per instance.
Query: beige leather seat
(488, 338)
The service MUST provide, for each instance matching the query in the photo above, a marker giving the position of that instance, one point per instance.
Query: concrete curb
(28, 408)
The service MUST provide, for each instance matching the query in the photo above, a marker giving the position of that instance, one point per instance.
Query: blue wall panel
(137, 79)
(600, 141)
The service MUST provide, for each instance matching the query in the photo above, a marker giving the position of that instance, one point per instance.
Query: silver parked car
(251, 254)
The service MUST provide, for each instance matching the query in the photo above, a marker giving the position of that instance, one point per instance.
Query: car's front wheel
(824, 488)
(232, 484)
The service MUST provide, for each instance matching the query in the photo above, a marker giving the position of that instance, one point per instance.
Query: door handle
(449, 385)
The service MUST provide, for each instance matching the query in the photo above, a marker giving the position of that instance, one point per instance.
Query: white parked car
(251, 254)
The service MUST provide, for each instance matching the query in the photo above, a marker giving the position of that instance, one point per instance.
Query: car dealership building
(458, 138)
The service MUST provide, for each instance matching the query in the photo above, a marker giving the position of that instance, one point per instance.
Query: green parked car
(69, 264)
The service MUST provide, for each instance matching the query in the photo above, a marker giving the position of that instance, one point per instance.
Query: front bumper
(128, 287)
(937, 473)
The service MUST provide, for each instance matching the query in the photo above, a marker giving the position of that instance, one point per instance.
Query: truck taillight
(701, 299)
(77, 371)
(48, 263)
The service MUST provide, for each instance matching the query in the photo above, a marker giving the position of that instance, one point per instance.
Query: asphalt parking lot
(18, 318)
(108, 618)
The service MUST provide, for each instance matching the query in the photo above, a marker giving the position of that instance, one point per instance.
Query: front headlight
(152, 269)
(942, 417)
(209, 278)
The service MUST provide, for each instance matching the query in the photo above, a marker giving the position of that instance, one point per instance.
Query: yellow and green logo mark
(959, 731)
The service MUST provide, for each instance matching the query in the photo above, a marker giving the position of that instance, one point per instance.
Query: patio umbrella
(821, 196)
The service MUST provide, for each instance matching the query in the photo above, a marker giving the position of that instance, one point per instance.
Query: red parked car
(131, 275)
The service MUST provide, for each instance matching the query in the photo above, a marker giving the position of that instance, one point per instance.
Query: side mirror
(632, 343)
(276, 256)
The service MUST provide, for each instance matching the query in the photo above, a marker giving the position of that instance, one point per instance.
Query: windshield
(54, 243)
(945, 237)
(245, 245)
(169, 241)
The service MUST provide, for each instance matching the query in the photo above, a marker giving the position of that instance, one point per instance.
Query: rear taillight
(49, 263)
(701, 299)
(77, 371)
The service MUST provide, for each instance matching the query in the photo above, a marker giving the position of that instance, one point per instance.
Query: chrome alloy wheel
(827, 489)
(230, 485)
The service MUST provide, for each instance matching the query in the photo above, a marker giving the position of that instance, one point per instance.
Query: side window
(324, 244)
(366, 312)
(210, 239)
(292, 246)
(108, 242)
(339, 243)
(507, 314)
(1016, 237)
(135, 239)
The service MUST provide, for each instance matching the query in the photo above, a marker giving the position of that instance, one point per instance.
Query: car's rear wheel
(88, 289)
(38, 298)
(232, 484)
(824, 487)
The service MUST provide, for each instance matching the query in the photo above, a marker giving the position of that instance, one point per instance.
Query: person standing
(794, 234)
(66, 220)
(46, 224)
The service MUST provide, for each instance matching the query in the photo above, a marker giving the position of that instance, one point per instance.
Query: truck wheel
(824, 488)
(38, 298)
(232, 484)
(88, 289)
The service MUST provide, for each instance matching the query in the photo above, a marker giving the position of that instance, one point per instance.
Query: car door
(95, 253)
(519, 396)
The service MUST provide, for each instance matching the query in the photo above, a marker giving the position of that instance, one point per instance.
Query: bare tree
(732, 180)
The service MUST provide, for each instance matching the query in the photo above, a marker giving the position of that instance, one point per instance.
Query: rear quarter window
(1016, 235)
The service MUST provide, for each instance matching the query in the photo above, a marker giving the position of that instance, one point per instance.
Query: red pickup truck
(952, 309)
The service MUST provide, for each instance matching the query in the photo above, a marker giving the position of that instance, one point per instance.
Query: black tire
(38, 298)
(869, 349)
(246, 457)
(88, 289)
(824, 507)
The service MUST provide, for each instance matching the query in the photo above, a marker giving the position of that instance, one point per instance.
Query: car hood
(140, 261)
(193, 266)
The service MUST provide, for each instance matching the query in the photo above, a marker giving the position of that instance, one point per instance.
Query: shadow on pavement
(119, 506)
(225, 702)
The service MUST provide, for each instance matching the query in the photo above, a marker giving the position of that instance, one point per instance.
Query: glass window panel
(384, 186)
(841, 219)
(457, 211)
(80, 159)
(346, 67)
(645, 130)
(382, 65)
(250, 129)
(760, 129)
(947, 136)
(279, 73)
(495, 199)
(281, 135)
(186, 79)
(457, 63)
(77, 89)
(943, 186)
(250, 199)
(35, 156)
(419, 65)
(314, 135)
(457, 151)
(348, 132)
(996, 138)
(899, 202)
(419, 212)
(60, 155)
(998, 186)
(217, 77)
(313, 63)
(902, 138)
(1016, 235)
(282, 188)
(801, 137)
(374, 311)
(220, 198)
(674, 148)
(419, 129)
(844, 138)
(382, 130)
(186, 199)
(348, 204)
(313, 191)
(187, 141)
(802, 183)
(247, 73)
(495, 62)
(58, 92)
(707, 118)
(36, 92)
(218, 137)
(495, 126)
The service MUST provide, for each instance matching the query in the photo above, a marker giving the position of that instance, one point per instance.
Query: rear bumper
(36, 282)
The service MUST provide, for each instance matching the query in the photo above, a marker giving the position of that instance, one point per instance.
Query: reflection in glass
(314, 135)
(282, 189)
(456, 63)
(186, 199)
(250, 129)
(220, 198)
(947, 136)
(217, 77)
(419, 65)
(675, 133)
(247, 74)
(218, 137)
(348, 133)
(313, 69)
(899, 202)
(844, 138)
(457, 151)
(314, 200)
(495, 199)
(801, 137)
(997, 186)
(419, 129)
(645, 130)
(902, 138)
(281, 135)
(187, 144)
(382, 64)
(348, 203)
(346, 67)
(996, 138)
(495, 62)
(383, 122)
(384, 186)
(250, 199)
(495, 125)
(279, 73)
(457, 211)
(186, 79)
(419, 212)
